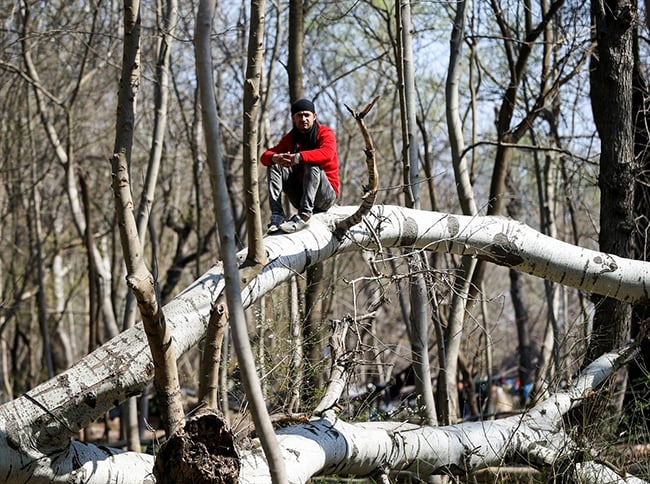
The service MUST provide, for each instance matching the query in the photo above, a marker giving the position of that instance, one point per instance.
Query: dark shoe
(274, 226)
(294, 224)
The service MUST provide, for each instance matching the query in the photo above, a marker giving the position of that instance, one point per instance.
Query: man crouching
(304, 165)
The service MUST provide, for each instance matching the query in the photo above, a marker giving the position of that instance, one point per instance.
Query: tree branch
(370, 191)
(122, 366)
(341, 361)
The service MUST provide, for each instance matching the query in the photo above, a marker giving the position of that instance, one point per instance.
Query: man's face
(303, 120)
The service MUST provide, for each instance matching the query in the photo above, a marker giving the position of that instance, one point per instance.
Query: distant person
(304, 165)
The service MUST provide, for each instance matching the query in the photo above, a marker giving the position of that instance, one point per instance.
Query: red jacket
(325, 155)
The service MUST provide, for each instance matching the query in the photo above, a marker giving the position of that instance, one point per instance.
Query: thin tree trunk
(66, 323)
(420, 339)
(167, 24)
(411, 168)
(611, 100)
(312, 329)
(524, 349)
(639, 384)
(223, 373)
(448, 384)
(296, 339)
(260, 319)
(4, 365)
(212, 357)
(94, 339)
(42, 312)
(406, 75)
(226, 236)
(266, 84)
(525, 369)
(139, 279)
(256, 252)
(296, 44)
(452, 105)
(256, 256)
(313, 312)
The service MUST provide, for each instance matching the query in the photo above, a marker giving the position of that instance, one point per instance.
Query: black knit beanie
(302, 105)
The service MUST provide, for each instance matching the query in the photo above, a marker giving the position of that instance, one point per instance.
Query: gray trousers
(313, 194)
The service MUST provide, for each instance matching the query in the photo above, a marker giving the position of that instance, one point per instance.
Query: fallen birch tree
(331, 446)
(37, 428)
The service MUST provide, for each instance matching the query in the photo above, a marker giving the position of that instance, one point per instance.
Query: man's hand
(286, 160)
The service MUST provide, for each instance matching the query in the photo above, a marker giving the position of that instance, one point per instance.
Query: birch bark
(35, 428)
(329, 445)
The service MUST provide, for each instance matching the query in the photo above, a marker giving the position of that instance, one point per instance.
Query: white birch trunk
(331, 446)
(35, 428)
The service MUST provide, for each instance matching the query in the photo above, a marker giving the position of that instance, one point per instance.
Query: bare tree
(64, 151)
(418, 290)
(295, 45)
(349, 47)
(256, 252)
(167, 24)
(139, 279)
(447, 381)
(611, 79)
(39, 420)
(226, 225)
